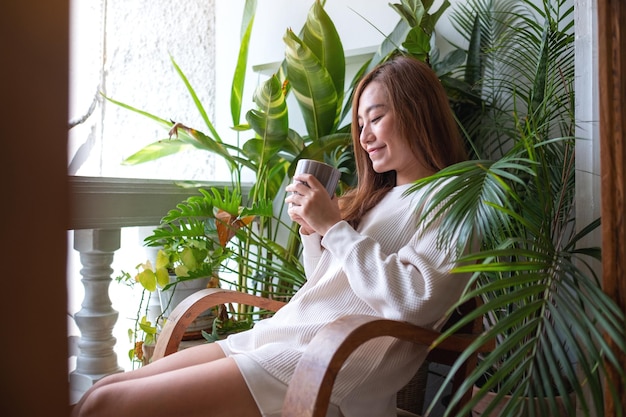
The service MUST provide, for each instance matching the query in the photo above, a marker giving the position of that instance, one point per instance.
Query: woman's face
(380, 136)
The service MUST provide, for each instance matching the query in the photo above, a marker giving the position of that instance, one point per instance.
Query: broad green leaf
(184, 139)
(417, 43)
(324, 145)
(270, 121)
(162, 259)
(188, 259)
(293, 145)
(147, 279)
(313, 87)
(410, 10)
(157, 150)
(449, 63)
(321, 37)
(429, 20)
(162, 277)
(146, 326)
(180, 271)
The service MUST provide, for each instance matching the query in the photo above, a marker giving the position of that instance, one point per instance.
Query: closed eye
(373, 121)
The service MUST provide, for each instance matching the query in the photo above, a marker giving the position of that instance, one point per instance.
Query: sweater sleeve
(311, 252)
(414, 284)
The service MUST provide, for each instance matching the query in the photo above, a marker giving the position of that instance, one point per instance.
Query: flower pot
(171, 297)
(148, 351)
(478, 410)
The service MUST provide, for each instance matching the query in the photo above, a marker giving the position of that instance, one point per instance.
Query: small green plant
(195, 241)
(143, 332)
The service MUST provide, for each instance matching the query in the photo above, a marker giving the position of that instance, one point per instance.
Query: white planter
(171, 297)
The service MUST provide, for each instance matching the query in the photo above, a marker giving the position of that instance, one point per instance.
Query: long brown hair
(425, 121)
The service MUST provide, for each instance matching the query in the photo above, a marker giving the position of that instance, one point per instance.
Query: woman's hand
(310, 206)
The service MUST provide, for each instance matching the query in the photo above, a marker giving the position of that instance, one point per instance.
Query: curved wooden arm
(191, 307)
(309, 391)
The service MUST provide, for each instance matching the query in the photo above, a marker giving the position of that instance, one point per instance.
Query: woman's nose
(365, 135)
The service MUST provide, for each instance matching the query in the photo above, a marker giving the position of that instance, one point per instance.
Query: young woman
(364, 253)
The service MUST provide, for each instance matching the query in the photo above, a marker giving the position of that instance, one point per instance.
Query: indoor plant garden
(512, 91)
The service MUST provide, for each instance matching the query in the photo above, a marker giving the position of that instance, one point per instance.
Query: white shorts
(268, 391)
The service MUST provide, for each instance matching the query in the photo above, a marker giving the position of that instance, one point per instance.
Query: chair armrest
(309, 391)
(191, 307)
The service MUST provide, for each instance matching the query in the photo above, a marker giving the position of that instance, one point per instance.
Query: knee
(99, 402)
(120, 376)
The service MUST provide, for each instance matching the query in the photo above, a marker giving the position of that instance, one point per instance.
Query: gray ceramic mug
(326, 174)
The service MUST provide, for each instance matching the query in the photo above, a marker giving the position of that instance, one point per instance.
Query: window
(122, 49)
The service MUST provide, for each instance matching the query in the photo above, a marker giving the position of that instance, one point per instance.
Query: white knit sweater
(388, 268)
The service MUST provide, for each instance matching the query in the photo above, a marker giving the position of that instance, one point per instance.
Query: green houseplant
(542, 301)
(193, 246)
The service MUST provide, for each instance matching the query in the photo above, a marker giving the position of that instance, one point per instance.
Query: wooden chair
(308, 394)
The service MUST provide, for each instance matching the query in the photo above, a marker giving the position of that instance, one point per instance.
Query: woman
(364, 253)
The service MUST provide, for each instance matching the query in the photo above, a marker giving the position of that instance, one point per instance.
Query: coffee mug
(326, 174)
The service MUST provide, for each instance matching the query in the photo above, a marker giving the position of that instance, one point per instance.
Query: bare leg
(191, 382)
(188, 357)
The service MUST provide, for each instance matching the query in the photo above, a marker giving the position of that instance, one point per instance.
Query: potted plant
(193, 247)
(169, 281)
(542, 301)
